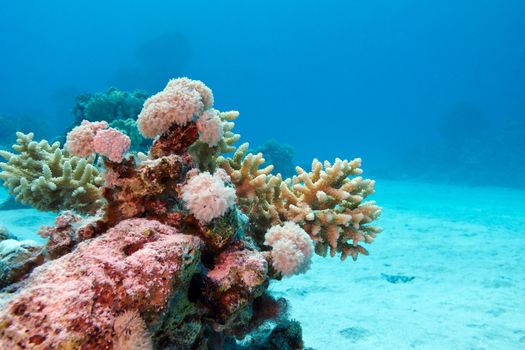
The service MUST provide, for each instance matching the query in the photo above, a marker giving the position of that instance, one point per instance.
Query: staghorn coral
(327, 203)
(204, 155)
(48, 178)
(182, 251)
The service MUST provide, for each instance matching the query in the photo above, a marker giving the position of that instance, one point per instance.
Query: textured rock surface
(18, 258)
(72, 302)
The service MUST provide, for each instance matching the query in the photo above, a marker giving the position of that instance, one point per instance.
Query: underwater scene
(266, 175)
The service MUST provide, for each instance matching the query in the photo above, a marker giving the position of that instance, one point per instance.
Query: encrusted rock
(72, 302)
(69, 230)
(238, 277)
(147, 190)
(17, 259)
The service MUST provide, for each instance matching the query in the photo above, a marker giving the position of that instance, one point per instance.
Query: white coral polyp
(292, 248)
(210, 127)
(178, 103)
(207, 197)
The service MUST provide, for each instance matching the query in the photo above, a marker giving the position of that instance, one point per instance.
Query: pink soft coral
(112, 144)
(292, 248)
(210, 127)
(91, 137)
(178, 103)
(80, 140)
(207, 197)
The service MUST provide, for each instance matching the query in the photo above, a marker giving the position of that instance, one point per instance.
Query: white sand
(24, 223)
(464, 246)
(466, 249)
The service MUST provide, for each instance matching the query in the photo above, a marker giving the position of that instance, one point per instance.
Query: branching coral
(204, 155)
(48, 178)
(325, 202)
(181, 253)
(109, 106)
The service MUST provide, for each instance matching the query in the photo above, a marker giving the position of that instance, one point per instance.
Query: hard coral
(48, 178)
(326, 202)
(239, 276)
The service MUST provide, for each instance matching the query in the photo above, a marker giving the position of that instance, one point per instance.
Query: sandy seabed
(448, 272)
(458, 257)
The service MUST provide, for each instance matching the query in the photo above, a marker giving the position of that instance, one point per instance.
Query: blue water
(403, 84)
(431, 94)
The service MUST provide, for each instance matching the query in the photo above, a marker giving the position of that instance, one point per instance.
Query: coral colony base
(173, 249)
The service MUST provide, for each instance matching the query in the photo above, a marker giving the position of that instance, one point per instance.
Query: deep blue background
(332, 78)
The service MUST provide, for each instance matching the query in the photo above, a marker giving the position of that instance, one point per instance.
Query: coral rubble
(180, 244)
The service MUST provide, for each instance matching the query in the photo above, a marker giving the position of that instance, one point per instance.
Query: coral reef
(80, 140)
(75, 301)
(112, 144)
(116, 107)
(279, 155)
(113, 105)
(181, 243)
(129, 127)
(48, 178)
(325, 202)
